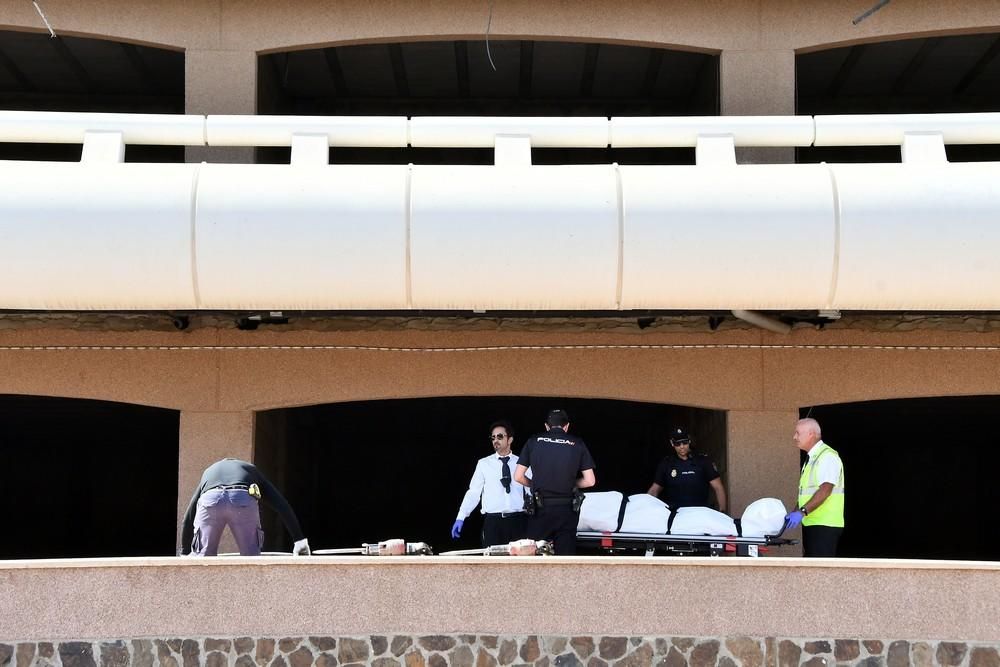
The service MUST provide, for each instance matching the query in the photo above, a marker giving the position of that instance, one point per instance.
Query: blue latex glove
(794, 519)
(456, 529)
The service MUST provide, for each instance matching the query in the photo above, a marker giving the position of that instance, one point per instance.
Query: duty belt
(503, 515)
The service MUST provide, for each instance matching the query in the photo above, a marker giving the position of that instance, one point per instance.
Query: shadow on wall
(920, 476)
(374, 470)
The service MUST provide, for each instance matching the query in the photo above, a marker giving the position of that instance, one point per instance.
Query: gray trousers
(218, 508)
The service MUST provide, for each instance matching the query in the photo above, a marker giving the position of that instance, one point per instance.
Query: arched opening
(86, 478)
(39, 73)
(372, 470)
(919, 476)
(511, 78)
(956, 73)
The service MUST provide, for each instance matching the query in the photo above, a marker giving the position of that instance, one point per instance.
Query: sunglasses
(678, 443)
(498, 436)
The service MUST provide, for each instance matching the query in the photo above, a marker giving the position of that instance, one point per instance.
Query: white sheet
(600, 511)
(645, 514)
(702, 521)
(763, 517)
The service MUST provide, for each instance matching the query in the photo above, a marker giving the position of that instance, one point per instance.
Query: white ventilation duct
(301, 238)
(755, 237)
(96, 237)
(696, 237)
(715, 236)
(508, 238)
(918, 237)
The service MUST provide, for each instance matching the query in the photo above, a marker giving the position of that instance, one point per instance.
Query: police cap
(557, 417)
(679, 436)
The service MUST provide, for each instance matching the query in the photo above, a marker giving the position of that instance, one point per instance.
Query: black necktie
(505, 473)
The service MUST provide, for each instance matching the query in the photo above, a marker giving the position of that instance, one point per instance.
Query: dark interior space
(456, 78)
(943, 74)
(42, 73)
(87, 478)
(919, 476)
(374, 470)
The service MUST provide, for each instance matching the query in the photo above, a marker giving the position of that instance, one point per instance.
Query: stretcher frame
(681, 545)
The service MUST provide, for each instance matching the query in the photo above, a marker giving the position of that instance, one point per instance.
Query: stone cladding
(470, 650)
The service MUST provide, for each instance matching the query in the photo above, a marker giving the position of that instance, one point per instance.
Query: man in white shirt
(494, 487)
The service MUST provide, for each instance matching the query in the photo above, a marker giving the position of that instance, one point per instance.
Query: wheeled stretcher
(612, 523)
(679, 545)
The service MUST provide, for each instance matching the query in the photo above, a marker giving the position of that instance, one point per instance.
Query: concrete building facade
(220, 379)
(370, 420)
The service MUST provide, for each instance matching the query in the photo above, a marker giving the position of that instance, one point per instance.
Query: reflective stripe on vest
(831, 512)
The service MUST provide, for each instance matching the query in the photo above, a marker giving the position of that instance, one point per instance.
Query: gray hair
(813, 426)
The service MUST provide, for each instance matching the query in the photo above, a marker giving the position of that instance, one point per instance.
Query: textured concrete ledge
(773, 597)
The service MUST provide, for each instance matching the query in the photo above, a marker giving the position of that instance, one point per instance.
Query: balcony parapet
(348, 596)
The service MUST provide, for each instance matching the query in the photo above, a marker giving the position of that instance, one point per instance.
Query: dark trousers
(556, 523)
(820, 541)
(503, 529)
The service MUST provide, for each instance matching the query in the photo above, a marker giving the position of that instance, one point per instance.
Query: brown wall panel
(739, 369)
(271, 25)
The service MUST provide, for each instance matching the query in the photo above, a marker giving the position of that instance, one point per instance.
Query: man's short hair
(557, 417)
(505, 425)
(813, 426)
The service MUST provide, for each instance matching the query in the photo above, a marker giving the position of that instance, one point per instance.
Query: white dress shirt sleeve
(475, 492)
(828, 470)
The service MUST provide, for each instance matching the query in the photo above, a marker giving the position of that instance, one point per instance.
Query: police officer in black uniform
(686, 477)
(560, 464)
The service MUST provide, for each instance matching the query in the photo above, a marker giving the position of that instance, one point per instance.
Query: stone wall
(405, 650)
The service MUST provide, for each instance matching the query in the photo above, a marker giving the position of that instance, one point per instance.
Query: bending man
(227, 496)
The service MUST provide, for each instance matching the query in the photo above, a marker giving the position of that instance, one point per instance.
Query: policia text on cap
(556, 458)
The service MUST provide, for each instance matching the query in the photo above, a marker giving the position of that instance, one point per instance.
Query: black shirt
(234, 471)
(685, 482)
(556, 458)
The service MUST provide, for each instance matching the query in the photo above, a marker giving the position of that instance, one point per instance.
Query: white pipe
(469, 132)
(480, 132)
(762, 321)
(58, 127)
(638, 132)
(890, 129)
(362, 131)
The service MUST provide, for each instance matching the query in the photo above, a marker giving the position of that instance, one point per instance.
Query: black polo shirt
(556, 459)
(685, 482)
(234, 471)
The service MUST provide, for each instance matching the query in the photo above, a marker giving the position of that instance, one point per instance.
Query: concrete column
(759, 83)
(763, 461)
(220, 82)
(206, 437)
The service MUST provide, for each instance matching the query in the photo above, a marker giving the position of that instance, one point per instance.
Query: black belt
(555, 500)
(503, 515)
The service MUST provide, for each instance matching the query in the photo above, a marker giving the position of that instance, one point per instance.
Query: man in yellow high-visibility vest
(821, 493)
